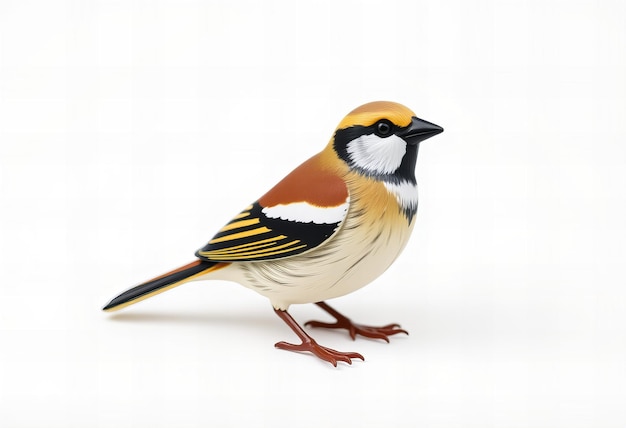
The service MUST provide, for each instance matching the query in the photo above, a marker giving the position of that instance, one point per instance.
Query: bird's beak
(420, 130)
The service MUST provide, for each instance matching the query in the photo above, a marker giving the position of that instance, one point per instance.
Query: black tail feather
(159, 284)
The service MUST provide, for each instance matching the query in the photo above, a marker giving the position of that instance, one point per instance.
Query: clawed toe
(362, 330)
(379, 332)
(310, 345)
(326, 354)
(356, 329)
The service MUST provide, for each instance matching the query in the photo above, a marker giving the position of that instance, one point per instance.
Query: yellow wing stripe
(230, 253)
(258, 249)
(239, 224)
(244, 247)
(240, 235)
(241, 215)
(267, 252)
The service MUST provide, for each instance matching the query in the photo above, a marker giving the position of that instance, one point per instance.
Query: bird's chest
(375, 232)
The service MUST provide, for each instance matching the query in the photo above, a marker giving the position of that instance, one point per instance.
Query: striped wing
(263, 233)
(301, 212)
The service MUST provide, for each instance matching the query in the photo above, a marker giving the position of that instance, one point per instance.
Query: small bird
(330, 227)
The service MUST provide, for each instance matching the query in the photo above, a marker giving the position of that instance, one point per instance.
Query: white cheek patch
(304, 212)
(405, 193)
(376, 154)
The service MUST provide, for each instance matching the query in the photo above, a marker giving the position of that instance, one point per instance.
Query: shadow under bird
(331, 226)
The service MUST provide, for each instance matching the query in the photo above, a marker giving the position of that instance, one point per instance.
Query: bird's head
(381, 139)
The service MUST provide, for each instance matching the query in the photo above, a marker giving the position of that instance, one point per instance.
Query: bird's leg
(308, 344)
(344, 322)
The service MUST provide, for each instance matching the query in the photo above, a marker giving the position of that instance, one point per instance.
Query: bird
(331, 226)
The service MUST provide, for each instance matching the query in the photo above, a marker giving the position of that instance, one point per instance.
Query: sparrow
(330, 227)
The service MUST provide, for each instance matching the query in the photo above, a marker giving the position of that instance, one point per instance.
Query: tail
(162, 283)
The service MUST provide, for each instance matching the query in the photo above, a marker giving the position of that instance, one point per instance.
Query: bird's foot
(367, 331)
(353, 329)
(310, 345)
(326, 354)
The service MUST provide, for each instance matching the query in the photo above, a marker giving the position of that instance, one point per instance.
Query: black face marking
(406, 170)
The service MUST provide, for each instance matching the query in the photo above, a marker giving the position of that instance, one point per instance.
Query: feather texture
(300, 213)
(377, 155)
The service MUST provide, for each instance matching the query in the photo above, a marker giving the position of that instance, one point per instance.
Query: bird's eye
(383, 128)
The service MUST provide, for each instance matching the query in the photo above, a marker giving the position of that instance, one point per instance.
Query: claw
(391, 326)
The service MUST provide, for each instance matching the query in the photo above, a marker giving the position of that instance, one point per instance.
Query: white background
(132, 130)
